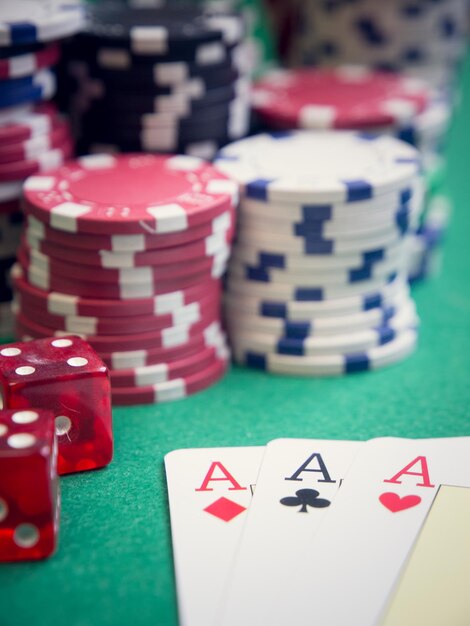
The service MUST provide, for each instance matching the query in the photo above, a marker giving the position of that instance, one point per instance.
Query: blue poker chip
(40, 86)
(24, 22)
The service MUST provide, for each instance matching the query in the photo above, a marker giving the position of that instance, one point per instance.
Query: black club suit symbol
(305, 498)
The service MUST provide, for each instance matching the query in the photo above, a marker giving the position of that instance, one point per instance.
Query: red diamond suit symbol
(225, 509)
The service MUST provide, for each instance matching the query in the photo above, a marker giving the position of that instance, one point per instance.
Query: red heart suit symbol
(394, 503)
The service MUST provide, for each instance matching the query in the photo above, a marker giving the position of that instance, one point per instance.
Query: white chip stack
(317, 281)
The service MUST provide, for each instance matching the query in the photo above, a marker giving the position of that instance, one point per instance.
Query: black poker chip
(131, 120)
(152, 80)
(128, 135)
(148, 103)
(166, 32)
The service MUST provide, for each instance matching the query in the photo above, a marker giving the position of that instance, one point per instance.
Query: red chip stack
(128, 251)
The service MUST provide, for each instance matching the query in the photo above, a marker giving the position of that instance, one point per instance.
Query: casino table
(114, 562)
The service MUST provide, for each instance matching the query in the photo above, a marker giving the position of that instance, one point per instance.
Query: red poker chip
(162, 372)
(125, 360)
(87, 289)
(25, 64)
(170, 390)
(215, 265)
(167, 338)
(165, 306)
(344, 97)
(192, 251)
(127, 194)
(34, 147)
(131, 359)
(25, 124)
(44, 162)
(224, 222)
(115, 325)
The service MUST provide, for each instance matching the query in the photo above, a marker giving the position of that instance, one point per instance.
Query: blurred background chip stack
(173, 79)
(33, 136)
(419, 38)
(259, 42)
(360, 98)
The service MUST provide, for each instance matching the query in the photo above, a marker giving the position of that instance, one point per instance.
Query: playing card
(358, 554)
(296, 486)
(433, 589)
(209, 491)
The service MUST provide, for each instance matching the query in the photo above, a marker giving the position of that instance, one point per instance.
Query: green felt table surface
(114, 563)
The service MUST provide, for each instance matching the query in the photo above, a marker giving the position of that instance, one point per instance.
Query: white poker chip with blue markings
(309, 166)
(284, 308)
(311, 345)
(332, 364)
(410, 195)
(319, 264)
(343, 230)
(239, 319)
(320, 326)
(306, 292)
(347, 216)
(318, 246)
(31, 21)
(265, 258)
(332, 278)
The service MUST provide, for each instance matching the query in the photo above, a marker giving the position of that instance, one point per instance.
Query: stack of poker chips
(169, 80)
(317, 281)
(423, 38)
(259, 42)
(127, 251)
(33, 137)
(357, 98)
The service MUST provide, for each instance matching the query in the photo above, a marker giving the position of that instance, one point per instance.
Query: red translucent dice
(65, 375)
(29, 494)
